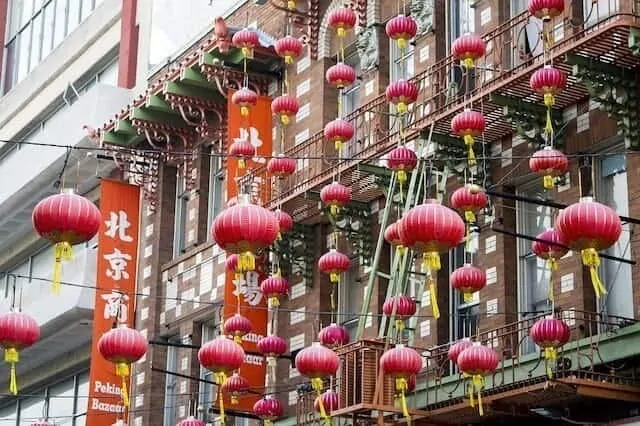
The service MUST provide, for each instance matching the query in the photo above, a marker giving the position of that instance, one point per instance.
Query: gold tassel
(338, 145)
(434, 298)
(291, 5)
(334, 209)
(247, 52)
(341, 32)
(285, 119)
(402, 386)
(468, 297)
(402, 177)
(220, 379)
(591, 259)
(548, 182)
(63, 251)
(402, 108)
(238, 339)
(550, 355)
(241, 163)
(468, 63)
(274, 301)
(400, 325)
(552, 264)
(477, 383)
(402, 44)
(468, 143)
(470, 216)
(244, 111)
(548, 128)
(122, 370)
(431, 261)
(12, 357)
(334, 277)
(268, 423)
(246, 261)
(288, 59)
(234, 400)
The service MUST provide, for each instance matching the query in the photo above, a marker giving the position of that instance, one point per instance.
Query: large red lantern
(268, 409)
(546, 9)
(285, 221)
(457, 348)
(550, 247)
(430, 229)
(401, 363)
(548, 81)
(272, 347)
(401, 28)
(402, 93)
(333, 336)
(550, 334)
(341, 75)
(122, 346)
(281, 166)
(65, 219)
(274, 288)
(245, 229)
(317, 362)
(330, 402)
(342, 20)
(334, 263)
(338, 132)
(468, 125)
(288, 48)
(404, 307)
(478, 361)
(237, 326)
(335, 195)
(246, 39)
(17, 331)
(245, 98)
(588, 227)
(468, 279)
(469, 200)
(242, 149)
(191, 421)
(549, 163)
(285, 107)
(468, 49)
(402, 160)
(235, 386)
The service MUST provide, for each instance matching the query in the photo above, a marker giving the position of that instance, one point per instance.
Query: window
(180, 227)
(351, 102)
(171, 384)
(597, 10)
(462, 18)
(350, 295)
(36, 27)
(208, 391)
(399, 67)
(466, 314)
(216, 186)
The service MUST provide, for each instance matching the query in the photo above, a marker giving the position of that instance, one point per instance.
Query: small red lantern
(242, 150)
(122, 346)
(245, 98)
(402, 93)
(274, 287)
(235, 386)
(550, 334)
(469, 200)
(341, 75)
(288, 48)
(456, 349)
(405, 307)
(281, 166)
(17, 331)
(587, 227)
(246, 39)
(192, 421)
(478, 361)
(338, 132)
(285, 221)
(431, 228)
(468, 49)
(272, 346)
(65, 219)
(237, 326)
(285, 107)
(392, 235)
(546, 9)
(333, 336)
(268, 409)
(548, 81)
(402, 160)
(231, 265)
(401, 363)
(401, 29)
(245, 229)
(551, 247)
(468, 125)
(317, 362)
(330, 401)
(334, 263)
(335, 196)
(342, 20)
(549, 163)
(468, 279)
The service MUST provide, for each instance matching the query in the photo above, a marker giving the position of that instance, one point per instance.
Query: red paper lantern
(588, 227)
(551, 247)
(469, 200)
(333, 336)
(273, 288)
(402, 160)
(335, 196)
(546, 9)
(272, 346)
(242, 150)
(285, 221)
(317, 362)
(402, 93)
(405, 308)
(342, 20)
(401, 363)
(548, 81)
(245, 98)
(401, 28)
(235, 386)
(392, 235)
(550, 334)
(65, 219)
(191, 421)
(468, 279)
(330, 401)
(237, 326)
(456, 349)
(338, 132)
(288, 48)
(245, 229)
(246, 39)
(334, 263)
(430, 229)
(468, 49)
(341, 75)
(285, 107)
(478, 361)
(549, 163)
(17, 331)
(468, 125)
(268, 409)
(281, 166)
(122, 346)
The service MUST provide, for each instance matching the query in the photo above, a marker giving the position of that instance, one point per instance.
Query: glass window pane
(81, 420)
(109, 75)
(60, 24)
(82, 395)
(8, 415)
(23, 54)
(47, 31)
(87, 8)
(31, 409)
(61, 400)
(10, 64)
(36, 41)
(26, 11)
(41, 270)
(74, 15)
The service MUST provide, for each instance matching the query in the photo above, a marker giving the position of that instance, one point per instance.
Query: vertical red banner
(253, 305)
(115, 296)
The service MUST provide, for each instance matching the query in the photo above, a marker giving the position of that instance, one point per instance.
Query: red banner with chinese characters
(115, 295)
(257, 127)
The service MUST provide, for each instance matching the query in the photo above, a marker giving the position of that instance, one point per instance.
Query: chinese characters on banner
(256, 127)
(116, 282)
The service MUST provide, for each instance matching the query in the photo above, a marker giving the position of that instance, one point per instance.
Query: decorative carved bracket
(296, 252)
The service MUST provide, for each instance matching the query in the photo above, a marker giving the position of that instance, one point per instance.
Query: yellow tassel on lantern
(285, 119)
(334, 277)
(234, 400)
(550, 355)
(400, 325)
(291, 5)
(402, 43)
(470, 216)
(467, 297)
(468, 63)
(246, 52)
(341, 32)
(63, 252)
(552, 264)
(591, 259)
(402, 107)
(548, 128)
(431, 262)
(402, 176)
(237, 339)
(400, 250)
(338, 145)
(241, 163)
(475, 391)
(434, 298)
(549, 100)
(288, 59)
(402, 386)
(122, 371)
(334, 209)
(274, 301)
(12, 357)
(244, 111)
(468, 143)
(246, 261)
(220, 379)
(548, 182)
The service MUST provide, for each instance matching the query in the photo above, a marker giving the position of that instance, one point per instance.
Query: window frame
(181, 218)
